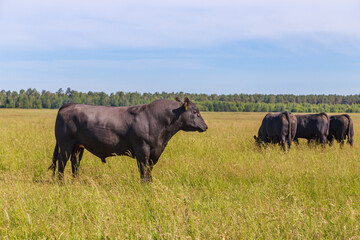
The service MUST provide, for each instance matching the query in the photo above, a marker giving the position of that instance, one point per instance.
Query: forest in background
(31, 98)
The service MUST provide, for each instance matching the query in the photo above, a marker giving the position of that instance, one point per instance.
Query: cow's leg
(296, 140)
(81, 152)
(142, 155)
(55, 159)
(282, 143)
(323, 140)
(145, 170)
(289, 142)
(64, 155)
(153, 161)
(74, 164)
(75, 159)
(337, 137)
(62, 160)
(350, 141)
(155, 154)
(330, 139)
(342, 141)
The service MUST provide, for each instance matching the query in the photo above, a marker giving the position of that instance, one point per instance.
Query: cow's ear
(178, 99)
(186, 103)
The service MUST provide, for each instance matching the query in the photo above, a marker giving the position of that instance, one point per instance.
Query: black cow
(312, 126)
(277, 128)
(340, 127)
(141, 132)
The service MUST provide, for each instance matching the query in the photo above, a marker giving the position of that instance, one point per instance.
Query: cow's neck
(170, 130)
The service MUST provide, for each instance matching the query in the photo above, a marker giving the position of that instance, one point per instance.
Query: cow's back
(82, 116)
(311, 125)
(99, 129)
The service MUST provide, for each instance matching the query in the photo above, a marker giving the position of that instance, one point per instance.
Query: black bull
(312, 126)
(141, 132)
(340, 127)
(277, 128)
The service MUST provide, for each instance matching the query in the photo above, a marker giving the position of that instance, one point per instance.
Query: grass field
(210, 185)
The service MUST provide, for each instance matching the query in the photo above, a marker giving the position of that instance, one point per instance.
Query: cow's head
(258, 141)
(191, 118)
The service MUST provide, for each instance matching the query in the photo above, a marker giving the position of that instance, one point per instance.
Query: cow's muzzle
(203, 129)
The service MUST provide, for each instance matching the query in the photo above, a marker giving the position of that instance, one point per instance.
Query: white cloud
(66, 24)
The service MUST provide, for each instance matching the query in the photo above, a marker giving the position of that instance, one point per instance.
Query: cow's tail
(287, 114)
(55, 158)
(328, 123)
(350, 130)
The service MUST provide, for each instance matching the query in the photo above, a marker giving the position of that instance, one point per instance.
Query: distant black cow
(340, 127)
(277, 128)
(312, 126)
(141, 132)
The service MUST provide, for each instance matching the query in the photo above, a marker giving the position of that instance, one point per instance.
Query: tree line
(31, 98)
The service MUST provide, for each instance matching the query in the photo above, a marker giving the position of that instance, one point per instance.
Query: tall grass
(212, 185)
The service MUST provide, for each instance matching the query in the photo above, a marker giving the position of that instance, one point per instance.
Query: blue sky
(249, 46)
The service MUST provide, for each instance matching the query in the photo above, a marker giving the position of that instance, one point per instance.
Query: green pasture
(211, 185)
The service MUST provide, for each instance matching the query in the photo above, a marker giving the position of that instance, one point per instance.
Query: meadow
(211, 185)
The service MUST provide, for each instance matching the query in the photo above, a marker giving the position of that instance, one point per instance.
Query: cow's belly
(307, 135)
(103, 143)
